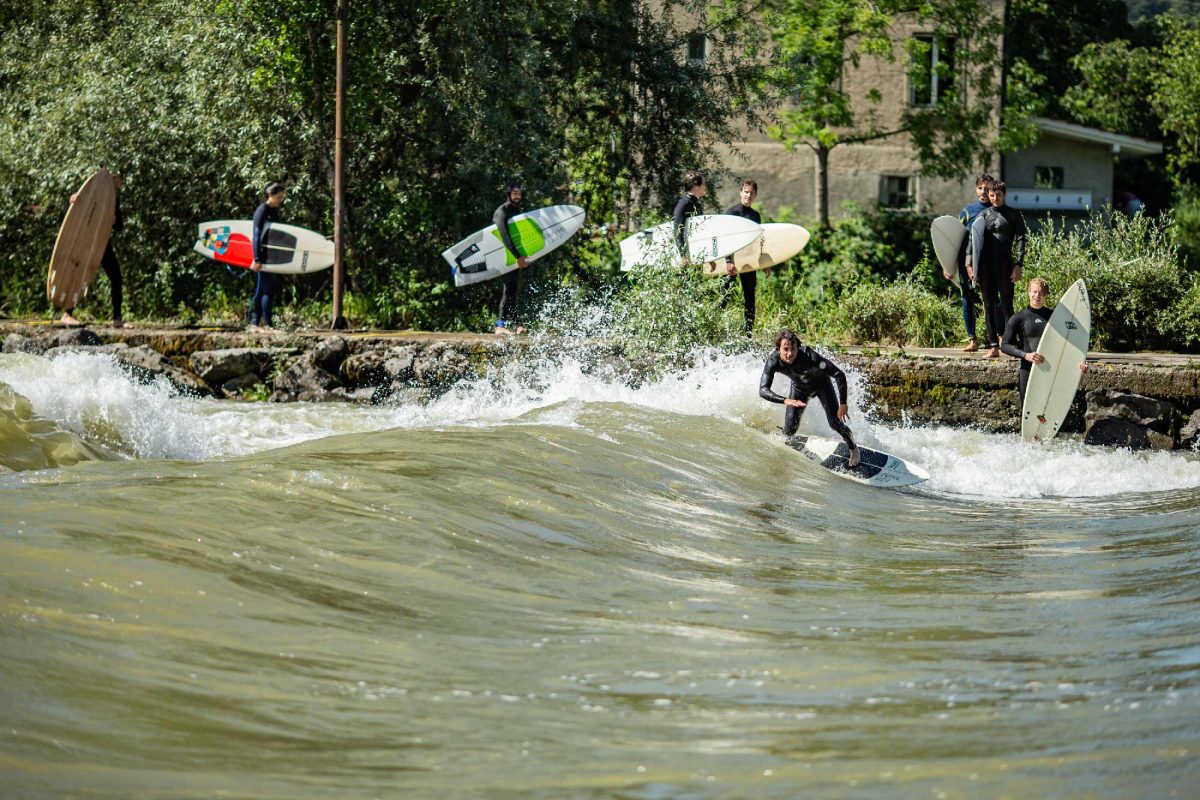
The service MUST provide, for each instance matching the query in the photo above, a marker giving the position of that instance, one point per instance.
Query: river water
(550, 585)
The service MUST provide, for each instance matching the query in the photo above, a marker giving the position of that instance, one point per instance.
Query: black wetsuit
(997, 247)
(685, 207)
(966, 217)
(266, 283)
(811, 374)
(748, 279)
(1022, 335)
(510, 291)
(110, 265)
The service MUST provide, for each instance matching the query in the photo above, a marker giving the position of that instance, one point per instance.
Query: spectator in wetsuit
(510, 287)
(687, 206)
(1023, 333)
(108, 262)
(266, 283)
(966, 217)
(811, 374)
(995, 259)
(749, 280)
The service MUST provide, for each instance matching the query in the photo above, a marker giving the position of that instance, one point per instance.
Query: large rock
(304, 381)
(1130, 420)
(16, 343)
(437, 366)
(1189, 434)
(330, 353)
(218, 367)
(145, 363)
(75, 337)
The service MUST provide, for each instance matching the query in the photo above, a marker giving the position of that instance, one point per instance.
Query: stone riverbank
(1135, 400)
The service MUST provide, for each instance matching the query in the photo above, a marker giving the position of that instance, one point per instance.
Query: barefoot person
(510, 292)
(967, 217)
(811, 374)
(749, 280)
(994, 261)
(1023, 334)
(108, 262)
(266, 283)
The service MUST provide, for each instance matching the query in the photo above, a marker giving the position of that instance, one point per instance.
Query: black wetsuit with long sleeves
(265, 283)
(1022, 335)
(749, 279)
(997, 247)
(811, 374)
(685, 207)
(510, 291)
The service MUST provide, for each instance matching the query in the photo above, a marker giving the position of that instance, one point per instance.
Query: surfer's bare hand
(766, 272)
(74, 197)
(1016, 275)
(946, 275)
(522, 262)
(255, 266)
(843, 412)
(1083, 367)
(794, 403)
(1035, 358)
(970, 273)
(730, 268)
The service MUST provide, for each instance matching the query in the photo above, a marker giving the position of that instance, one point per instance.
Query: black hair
(983, 179)
(790, 335)
(691, 179)
(274, 188)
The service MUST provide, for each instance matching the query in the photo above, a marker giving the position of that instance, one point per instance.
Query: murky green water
(589, 597)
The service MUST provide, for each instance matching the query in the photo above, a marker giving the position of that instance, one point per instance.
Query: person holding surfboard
(747, 195)
(265, 283)
(1023, 333)
(811, 374)
(510, 297)
(108, 262)
(687, 206)
(995, 258)
(967, 217)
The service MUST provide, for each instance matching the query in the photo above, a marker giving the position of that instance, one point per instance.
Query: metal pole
(339, 168)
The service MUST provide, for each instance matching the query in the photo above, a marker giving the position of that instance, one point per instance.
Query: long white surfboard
(709, 237)
(875, 467)
(779, 242)
(290, 250)
(1053, 383)
(948, 234)
(483, 256)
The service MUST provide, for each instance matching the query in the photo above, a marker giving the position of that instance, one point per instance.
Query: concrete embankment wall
(1138, 400)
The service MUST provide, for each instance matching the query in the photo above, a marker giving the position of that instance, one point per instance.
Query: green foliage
(1176, 98)
(200, 104)
(904, 312)
(1132, 269)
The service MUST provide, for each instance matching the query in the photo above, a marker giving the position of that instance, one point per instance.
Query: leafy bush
(1133, 273)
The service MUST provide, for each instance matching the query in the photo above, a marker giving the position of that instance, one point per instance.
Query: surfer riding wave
(811, 374)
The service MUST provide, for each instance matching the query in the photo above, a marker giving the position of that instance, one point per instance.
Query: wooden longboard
(779, 242)
(81, 241)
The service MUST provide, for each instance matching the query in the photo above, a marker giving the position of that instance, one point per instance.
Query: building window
(895, 191)
(697, 48)
(1048, 177)
(932, 72)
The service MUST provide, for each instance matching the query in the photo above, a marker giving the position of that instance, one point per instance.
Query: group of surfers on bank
(992, 258)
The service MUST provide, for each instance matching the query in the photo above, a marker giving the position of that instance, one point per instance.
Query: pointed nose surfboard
(875, 467)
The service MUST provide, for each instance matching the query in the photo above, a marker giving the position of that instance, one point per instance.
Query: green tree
(829, 101)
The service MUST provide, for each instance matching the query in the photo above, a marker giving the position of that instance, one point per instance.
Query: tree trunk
(822, 179)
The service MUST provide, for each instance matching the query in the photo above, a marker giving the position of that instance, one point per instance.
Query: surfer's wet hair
(691, 179)
(274, 188)
(789, 335)
(983, 179)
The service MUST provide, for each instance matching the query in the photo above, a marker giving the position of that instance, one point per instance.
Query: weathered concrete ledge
(1137, 400)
